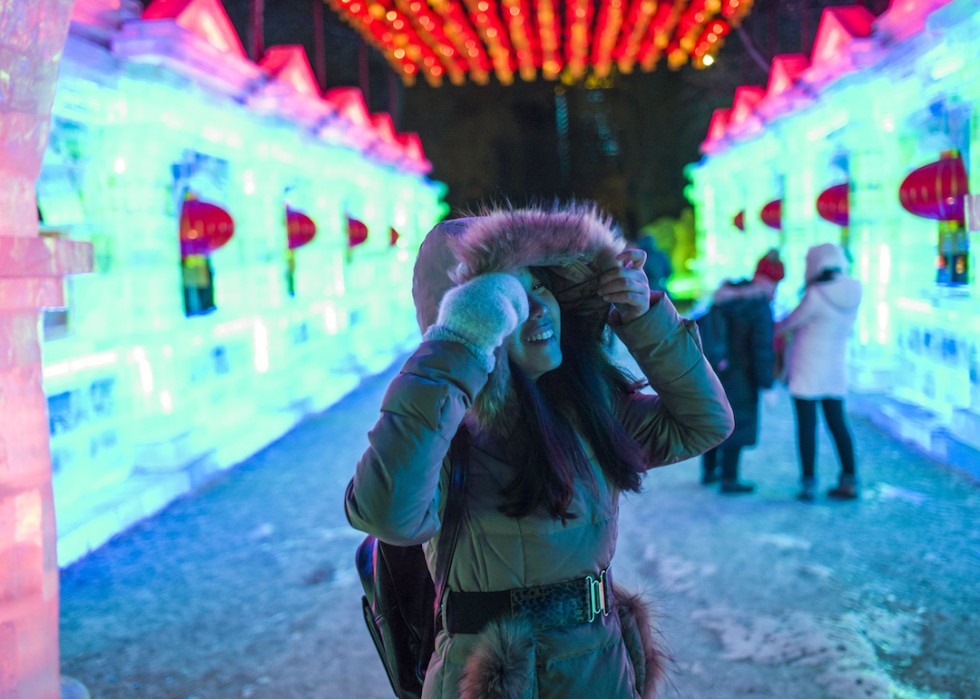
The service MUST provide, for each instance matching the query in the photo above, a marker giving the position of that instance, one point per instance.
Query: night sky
(625, 144)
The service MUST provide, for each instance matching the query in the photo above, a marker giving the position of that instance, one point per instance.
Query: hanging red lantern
(203, 228)
(395, 235)
(739, 220)
(772, 214)
(357, 232)
(833, 204)
(936, 190)
(300, 229)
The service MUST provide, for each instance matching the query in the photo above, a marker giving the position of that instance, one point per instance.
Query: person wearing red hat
(770, 267)
(768, 273)
(747, 367)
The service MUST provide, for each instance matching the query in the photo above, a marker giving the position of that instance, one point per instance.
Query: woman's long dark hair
(574, 399)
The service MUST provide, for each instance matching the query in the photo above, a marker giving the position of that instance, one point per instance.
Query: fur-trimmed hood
(576, 242)
(729, 291)
(503, 240)
(825, 256)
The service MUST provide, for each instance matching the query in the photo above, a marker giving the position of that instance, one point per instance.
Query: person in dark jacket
(770, 267)
(748, 317)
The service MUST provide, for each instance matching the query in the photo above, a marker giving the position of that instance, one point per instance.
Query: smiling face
(536, 344)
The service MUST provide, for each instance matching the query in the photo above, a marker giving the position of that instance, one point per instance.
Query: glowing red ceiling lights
(462, 39)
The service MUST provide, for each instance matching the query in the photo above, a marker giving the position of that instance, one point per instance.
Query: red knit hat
(771, 267)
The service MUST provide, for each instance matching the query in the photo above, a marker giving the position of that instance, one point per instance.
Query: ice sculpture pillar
(32, 37)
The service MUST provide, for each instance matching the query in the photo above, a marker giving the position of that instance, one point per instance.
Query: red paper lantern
(357, 232)
(300, 229)
(395, 235)
(203, 228)
(772, 214)
(739, 220)
(833, 204)
(936, 190)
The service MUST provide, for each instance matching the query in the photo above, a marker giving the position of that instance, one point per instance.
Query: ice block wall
(32, 35)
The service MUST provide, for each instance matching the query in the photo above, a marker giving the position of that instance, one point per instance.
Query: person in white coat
(820, 327)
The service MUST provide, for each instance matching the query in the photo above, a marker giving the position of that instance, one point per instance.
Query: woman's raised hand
(483, 312)
(626, 287)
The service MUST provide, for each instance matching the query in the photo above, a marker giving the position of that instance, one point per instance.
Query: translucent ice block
(32, 37)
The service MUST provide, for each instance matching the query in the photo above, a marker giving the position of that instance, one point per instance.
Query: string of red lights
(462, 39)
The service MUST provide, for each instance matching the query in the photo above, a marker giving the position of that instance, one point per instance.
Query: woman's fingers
(622, 284)
(632, 258)
(621, 279)
(629, 260)
(626, 298)
(612, 275)
(626, 286)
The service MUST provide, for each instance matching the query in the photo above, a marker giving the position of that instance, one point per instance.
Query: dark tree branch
(753, 51)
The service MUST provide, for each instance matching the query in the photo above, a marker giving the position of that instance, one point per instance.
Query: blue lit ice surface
(916, 341)
(143, 397)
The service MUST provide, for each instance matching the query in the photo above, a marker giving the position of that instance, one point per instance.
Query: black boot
(807, 490)
(847, 489)
(735, 486)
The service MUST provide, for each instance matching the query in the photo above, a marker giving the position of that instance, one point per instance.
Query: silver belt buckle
(596, 596)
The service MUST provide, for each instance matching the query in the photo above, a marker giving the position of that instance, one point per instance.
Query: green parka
(399, 490)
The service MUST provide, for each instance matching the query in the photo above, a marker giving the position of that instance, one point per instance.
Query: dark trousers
(729, 462)
(806, 430)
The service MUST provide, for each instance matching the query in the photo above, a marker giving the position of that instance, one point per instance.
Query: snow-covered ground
(247, 589)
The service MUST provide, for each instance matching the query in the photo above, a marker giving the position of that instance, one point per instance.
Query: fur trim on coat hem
(648, 656)
(503, 663)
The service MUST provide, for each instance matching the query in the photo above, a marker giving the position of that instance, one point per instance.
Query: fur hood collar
(576, 242)
(742, 290)
(503, 240)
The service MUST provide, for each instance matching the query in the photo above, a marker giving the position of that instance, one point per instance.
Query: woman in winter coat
(817, 357)
(748, 368)
(513, 305)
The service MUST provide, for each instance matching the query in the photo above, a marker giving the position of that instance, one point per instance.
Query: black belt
(546, 606)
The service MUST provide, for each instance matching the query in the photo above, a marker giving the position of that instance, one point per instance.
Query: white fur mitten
(481, 314)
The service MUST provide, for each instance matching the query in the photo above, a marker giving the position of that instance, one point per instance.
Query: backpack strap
(459, 454)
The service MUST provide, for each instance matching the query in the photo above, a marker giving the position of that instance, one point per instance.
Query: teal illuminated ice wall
(877, 99)
(145, 400)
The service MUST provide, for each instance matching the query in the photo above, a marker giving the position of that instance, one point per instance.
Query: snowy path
(247, 589)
